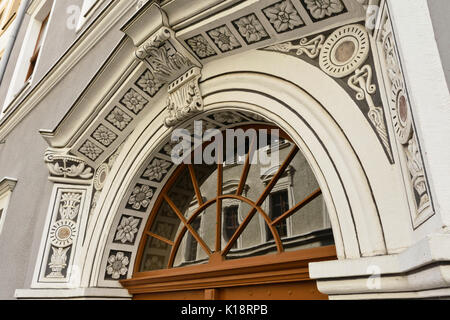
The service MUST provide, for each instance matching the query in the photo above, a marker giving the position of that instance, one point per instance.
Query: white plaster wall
(429, 98)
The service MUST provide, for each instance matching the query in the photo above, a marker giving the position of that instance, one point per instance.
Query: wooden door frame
(270, 269)
(218, 272)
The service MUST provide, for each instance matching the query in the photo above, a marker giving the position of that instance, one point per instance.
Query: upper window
(37, 48)
(6, 187)
(236, 210)
(30, 52)
(8, 12)
(231, 221)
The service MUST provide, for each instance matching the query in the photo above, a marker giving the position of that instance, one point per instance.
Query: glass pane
(252, 241)
(279, 204)
(156, 255)
(309, 226)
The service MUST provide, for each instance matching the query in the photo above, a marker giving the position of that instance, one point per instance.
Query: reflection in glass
(232, 193)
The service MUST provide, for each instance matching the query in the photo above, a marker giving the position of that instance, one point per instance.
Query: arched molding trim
(342, 184)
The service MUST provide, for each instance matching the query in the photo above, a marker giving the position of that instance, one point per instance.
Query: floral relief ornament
(90, 150)
(140, 197)
(127, 229)
(104, 135)
(251, 29)
(119, 119)
(117, 265)
(156, 169)
(134, 101)
(321, 8)
(149, 83)
(224, 39)
(283, 16)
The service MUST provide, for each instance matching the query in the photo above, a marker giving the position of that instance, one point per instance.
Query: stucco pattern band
(343, 54)
(402, 119)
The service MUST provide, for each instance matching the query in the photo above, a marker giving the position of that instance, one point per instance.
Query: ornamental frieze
(401, 116)
(344, 54)
(66, 222)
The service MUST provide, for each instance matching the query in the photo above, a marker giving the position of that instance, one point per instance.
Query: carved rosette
(343, 54)
(402, 120)
(63, 232)
(344, 51)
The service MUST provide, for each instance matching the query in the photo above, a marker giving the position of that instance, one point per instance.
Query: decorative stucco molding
(185, 97)
(65, 228)
(403, 122)
(64, 167)
(345, 54)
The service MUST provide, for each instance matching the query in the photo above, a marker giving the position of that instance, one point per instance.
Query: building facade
(346, 100)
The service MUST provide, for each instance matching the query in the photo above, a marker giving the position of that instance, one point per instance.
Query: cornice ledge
(7, 185)
(407, 272)
(73, 293)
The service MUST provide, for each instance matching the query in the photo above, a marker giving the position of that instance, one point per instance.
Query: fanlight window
(236, 209)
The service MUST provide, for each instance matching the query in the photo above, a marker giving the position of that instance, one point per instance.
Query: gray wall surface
(22, 154)
(440, 16)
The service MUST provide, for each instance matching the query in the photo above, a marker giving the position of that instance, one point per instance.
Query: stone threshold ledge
(421, 271)
(73, 294)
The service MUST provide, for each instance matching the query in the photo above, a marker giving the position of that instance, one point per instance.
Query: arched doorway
(331, 148)
(244, 226)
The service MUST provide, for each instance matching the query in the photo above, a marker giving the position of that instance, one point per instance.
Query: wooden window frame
(37, 50)
(283, 266)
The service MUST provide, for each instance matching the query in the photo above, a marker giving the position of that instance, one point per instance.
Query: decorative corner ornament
(153, 43)
(309, 47)
(402, 120)
(171, 64)
(185, 97)
(343, 55)
(361, 82)
(63, 166)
